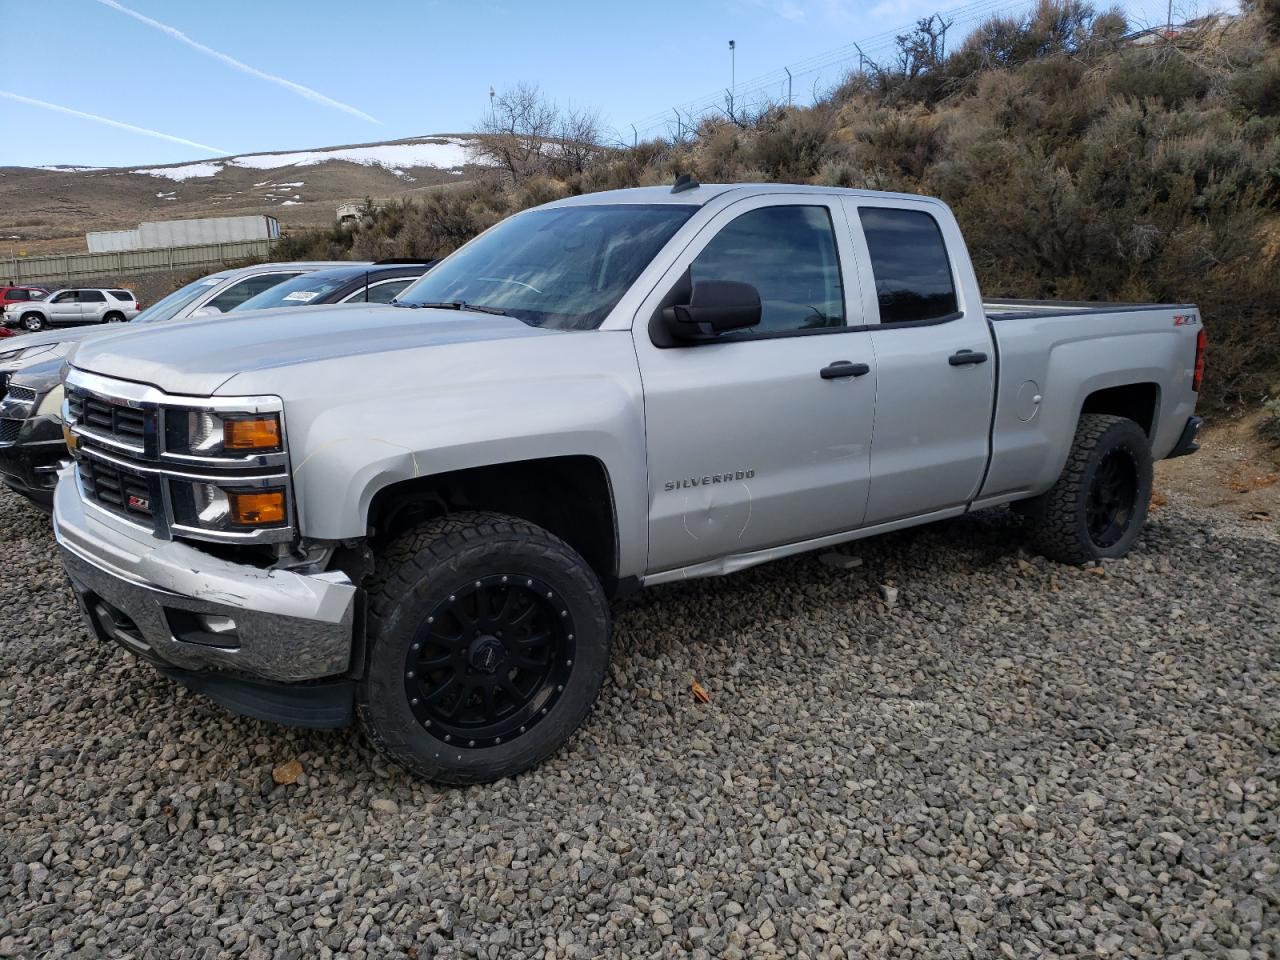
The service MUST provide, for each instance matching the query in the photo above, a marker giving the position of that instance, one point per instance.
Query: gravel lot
(1015, 759)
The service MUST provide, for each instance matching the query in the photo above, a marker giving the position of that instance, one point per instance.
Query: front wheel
(489, 642)
(32, 322)
(1098, 506)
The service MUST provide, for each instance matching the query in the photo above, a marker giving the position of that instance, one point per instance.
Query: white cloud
(45, 105)
(297, 88)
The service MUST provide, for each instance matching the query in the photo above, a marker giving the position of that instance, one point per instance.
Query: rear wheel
(32, 322)
(1098, 507)
(113, 317)
(489, 641)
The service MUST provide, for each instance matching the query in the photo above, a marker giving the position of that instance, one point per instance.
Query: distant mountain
(51, 208)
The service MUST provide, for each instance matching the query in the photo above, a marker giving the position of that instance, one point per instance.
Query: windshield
(166, 307)
(563, 268)
(297, 292)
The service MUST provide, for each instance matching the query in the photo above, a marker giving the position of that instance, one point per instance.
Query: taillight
(1202, 341)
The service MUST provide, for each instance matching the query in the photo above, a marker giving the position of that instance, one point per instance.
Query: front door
(935, 360)
(64, 307)
(750, 444)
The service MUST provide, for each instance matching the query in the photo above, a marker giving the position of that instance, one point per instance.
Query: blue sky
(262, 75)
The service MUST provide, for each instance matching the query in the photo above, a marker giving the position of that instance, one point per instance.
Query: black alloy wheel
(488, 643)
(490, 661)
(1112, 496)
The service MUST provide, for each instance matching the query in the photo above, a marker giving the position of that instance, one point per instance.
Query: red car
(11, 294)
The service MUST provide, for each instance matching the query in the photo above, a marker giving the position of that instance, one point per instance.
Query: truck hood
(197, 357)
(63, 340)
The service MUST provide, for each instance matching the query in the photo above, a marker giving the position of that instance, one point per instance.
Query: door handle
(962, 357)
(843, 368)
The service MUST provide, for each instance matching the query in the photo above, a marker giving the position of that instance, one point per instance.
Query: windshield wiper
(457, 305)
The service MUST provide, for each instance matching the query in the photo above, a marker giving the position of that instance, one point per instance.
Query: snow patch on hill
(187, 171)
(441, 153)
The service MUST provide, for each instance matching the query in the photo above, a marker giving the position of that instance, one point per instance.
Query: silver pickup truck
(415, 515)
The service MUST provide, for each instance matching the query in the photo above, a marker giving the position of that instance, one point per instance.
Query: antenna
(684, 182)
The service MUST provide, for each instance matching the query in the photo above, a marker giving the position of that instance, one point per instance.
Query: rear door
(93, 305)
(935, 361)
(749, 444)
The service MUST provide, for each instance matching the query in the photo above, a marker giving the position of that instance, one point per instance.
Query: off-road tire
(32, 322)
(1059, 518)
(417, 572)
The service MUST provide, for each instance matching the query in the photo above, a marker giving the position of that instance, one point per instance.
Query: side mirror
(715, 306)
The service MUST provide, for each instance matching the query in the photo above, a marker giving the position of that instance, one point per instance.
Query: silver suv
(72, 307)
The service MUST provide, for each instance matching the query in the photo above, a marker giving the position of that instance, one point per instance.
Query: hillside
(52, 208)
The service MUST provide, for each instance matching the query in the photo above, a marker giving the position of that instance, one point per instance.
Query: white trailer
(158, 234)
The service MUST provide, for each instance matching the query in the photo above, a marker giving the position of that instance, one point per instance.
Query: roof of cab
(706, 192)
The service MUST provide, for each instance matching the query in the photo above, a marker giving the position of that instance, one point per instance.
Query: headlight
(51, 405)
(204, 434)
(30, 353)
(228, 508)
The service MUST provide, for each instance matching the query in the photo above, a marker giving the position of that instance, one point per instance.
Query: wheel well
(1136, 401)
(568, 496)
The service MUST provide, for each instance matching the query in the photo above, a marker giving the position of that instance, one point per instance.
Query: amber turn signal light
(257, 509)
(251, 433)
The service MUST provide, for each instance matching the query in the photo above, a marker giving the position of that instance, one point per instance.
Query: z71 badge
(708, 480)
(1185, 319)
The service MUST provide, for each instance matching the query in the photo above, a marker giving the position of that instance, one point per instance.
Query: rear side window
(19, 295)
(910, 264)
(789, 254)
(383, 292)
(124, 295)
(92, 296)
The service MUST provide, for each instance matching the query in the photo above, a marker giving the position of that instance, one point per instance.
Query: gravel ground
(1013, 759)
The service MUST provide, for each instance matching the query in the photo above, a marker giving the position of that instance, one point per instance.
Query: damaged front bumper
(203, 620)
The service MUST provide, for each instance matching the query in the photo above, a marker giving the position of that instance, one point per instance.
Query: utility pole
(679, 125)
(733, 64)
(635, 137)
(788, 69)
(1169, 20)
(491, 94)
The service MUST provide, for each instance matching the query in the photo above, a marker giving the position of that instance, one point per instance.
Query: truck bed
(1012, 309)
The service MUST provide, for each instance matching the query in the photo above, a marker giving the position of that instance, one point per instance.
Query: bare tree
(526, 134)
(513, 133)
(575, 141)
(924, 49)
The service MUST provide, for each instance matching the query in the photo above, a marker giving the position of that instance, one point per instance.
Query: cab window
(910, 264)
(788, 253)
(66, 296)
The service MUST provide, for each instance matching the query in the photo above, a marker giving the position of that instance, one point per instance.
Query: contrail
(109, 122)
(242, 67)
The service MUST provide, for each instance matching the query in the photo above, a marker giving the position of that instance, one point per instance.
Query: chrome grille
(120, 491)
(109, 421)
